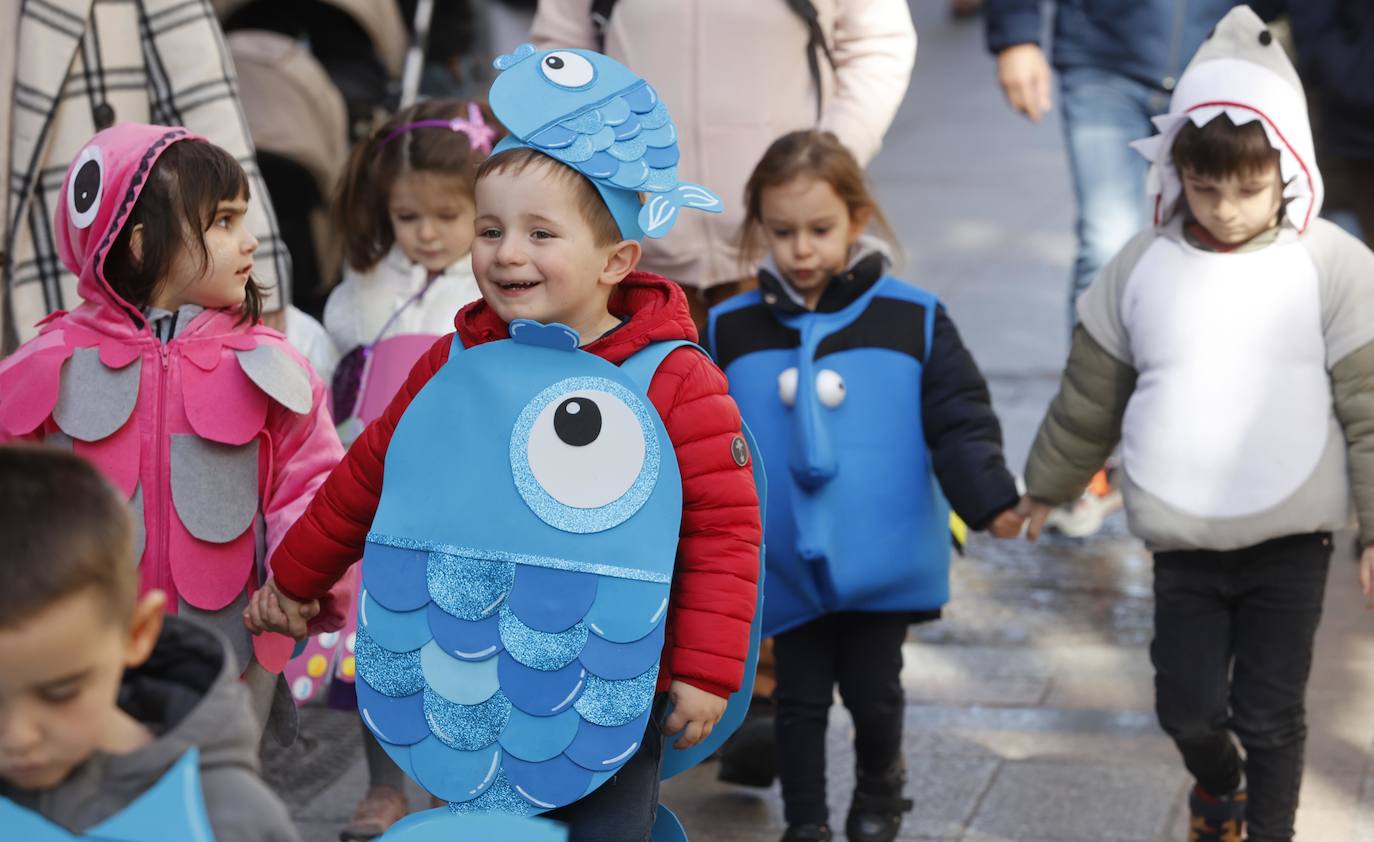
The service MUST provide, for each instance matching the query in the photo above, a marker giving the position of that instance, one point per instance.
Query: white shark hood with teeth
(1242, 72)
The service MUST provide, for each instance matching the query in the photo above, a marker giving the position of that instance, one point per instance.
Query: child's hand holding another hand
(1008, 524)
(1035, 512)
(271, 610)
(695, 713)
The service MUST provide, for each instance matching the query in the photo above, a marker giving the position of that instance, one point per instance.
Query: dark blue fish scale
(641, 99)
(661, 158)
(602, 749)
(600, 165)
(619, 661)
(627, 129)
(467, 640)
(554, 137)
(552, 783)
(540, 692)
(396, 577)
(400, 721)
(551, 600)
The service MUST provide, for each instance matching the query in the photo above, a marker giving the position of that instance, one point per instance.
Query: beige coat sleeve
(1083, 423)
(1352, 386)
(874, 46)
(563, 23)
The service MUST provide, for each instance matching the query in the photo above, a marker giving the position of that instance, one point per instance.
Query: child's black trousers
(1232, 653)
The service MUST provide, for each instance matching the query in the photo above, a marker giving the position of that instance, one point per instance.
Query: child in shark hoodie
(1229, 349)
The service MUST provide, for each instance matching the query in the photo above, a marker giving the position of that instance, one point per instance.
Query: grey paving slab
(1070, 802)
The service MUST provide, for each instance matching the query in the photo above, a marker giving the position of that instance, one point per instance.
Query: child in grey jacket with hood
(1230, 350)
(112, 716)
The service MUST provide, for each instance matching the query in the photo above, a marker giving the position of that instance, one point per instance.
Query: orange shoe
(380, 808)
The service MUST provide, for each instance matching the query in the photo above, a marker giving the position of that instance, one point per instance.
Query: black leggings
(862, 652)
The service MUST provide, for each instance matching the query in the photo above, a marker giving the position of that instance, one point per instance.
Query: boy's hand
(695, 713)
(1035, 513)
(1008, 524)
(1367, 575)
(271, 610)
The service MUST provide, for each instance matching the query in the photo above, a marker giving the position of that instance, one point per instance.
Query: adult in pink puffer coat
(212, 426)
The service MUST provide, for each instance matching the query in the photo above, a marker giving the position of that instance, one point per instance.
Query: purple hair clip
(480, 135)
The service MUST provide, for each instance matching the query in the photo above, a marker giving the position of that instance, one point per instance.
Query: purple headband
(480, 135)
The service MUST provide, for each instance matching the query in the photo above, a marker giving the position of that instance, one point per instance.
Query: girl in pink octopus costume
(210, 424)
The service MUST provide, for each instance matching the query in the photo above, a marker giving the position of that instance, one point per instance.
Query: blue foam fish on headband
(593, 114)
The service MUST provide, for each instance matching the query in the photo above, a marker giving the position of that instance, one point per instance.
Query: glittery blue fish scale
(394, 674)
(656, 118)
(628, 150)
(589, 122)
(466, 727)
(469, 589)
(540, 650)
(660, 181)
(614, 703)
(500, 797)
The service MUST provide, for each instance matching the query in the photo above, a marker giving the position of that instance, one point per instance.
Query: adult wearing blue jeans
(1117, 61)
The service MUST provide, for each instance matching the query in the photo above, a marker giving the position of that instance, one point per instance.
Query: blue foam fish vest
(173, 808)
(516, 577)
(856, 520)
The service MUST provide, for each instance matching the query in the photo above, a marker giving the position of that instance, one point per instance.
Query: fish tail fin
(660, 210)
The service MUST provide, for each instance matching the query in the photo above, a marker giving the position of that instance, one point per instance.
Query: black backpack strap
(601, 19)
(806, 10)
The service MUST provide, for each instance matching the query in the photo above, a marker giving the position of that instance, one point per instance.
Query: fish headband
(480, 134)
(593, 114)
(1242, 72)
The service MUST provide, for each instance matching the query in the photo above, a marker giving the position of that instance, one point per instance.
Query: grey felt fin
(278, 375)
(228, 621)
(94, 401)
(214, 487)
(140, 528)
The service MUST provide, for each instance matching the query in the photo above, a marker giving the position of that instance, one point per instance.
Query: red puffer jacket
(716, 576)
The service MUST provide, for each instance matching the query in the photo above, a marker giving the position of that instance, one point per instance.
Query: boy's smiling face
(60, 671)
(536, 255)
(1237, 207)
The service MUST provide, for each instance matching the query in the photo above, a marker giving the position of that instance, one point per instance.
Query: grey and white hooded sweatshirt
(189, 695)
(1239, 384)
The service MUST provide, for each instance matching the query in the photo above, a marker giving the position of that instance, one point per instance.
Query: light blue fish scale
(661, 137)
(631, 174)
(576, 152)
(554, 137)
(615, 111)
(603, 139)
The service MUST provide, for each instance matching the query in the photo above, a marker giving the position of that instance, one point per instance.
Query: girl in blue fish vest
(873, 421)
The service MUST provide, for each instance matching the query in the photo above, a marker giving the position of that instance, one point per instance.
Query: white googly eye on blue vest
(87, 187)
(567, 69)
(585, 454)
(787, 386)
(829, 388)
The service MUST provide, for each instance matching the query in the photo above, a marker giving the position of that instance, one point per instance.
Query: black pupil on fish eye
(86, 185)
(577, 422)
(554, 62)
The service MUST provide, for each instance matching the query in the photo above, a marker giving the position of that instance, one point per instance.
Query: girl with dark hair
(211, 426)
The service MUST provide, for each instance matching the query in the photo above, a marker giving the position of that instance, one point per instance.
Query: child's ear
(145, 628)
(136, 245)
(621, 260)
(858, 222)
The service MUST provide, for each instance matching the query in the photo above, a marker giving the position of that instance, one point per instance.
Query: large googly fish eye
(567, 69)
(585, 454)
(787, 387)
(87, 187)
(830, 388)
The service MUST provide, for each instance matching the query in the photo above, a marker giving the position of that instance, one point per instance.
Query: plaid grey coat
(83, 65)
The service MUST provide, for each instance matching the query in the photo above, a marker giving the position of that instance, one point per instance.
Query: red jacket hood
(655, 306)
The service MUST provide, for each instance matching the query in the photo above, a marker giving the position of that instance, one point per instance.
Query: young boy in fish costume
(558, 513)
(1230, 350)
